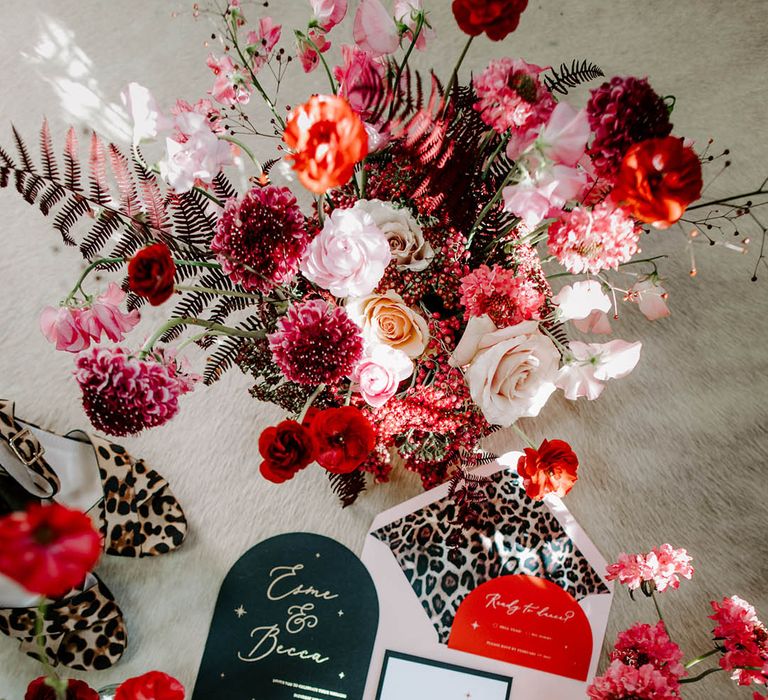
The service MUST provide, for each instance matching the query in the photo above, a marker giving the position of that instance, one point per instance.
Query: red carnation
(154, 685)
(286, 448)
(48, 549)
(497, 18)
(550, 469)
(76, 690)
(343, 437)
(658, 179)
(151, 272)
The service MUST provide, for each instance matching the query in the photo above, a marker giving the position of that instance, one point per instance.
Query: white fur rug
(674, 453)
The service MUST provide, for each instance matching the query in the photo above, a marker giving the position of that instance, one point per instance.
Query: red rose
(76, 690)
(658, 179)
(151, 272)
(48, 549)
(343, 437)
(154, 685)
(497, 18)
(550, 469)
(286, 448)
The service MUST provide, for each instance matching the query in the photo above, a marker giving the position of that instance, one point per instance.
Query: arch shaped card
(528, 621)
(296, 616)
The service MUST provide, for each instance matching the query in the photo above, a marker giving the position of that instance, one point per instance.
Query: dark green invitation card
(296, 617)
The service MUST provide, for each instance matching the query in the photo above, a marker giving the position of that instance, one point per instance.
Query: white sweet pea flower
(578, 300)
(145, 115)
(650, 296)
(588, 365)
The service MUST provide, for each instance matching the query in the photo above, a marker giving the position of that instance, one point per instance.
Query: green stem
(219, 292)
(308, 39)
(706, 673)
(523, 436)
(247, 150)
(701, 658)
(195, 338)
(455, 74)
(419, 26)
(208, 195)
(658, 609)
(86, 272)
(310, 401)
(188, 321)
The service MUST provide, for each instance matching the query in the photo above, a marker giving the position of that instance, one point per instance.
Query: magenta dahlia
(316, 343)
(590, 240)
(501, 294)
(623, 112)
(261, 238)
(123, 394)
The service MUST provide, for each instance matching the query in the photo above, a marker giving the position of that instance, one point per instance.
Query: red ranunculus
(154, 685)
(550, 469)
(344, 438)
(48, 549)
(497, 18)
(76, 690)
(658, 179)
(151, 272)
(286, 448)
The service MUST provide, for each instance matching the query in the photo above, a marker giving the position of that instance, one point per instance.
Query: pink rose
(349, 256)
(360, 79)
(378, 375)
(329, 13)
(375, 30)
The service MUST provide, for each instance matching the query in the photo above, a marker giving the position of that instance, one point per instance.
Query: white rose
(406, 239)
(510, 372)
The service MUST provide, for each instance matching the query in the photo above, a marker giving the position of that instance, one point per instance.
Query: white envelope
(413, 625)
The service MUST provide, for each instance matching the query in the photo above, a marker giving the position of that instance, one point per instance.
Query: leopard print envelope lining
(517, 535)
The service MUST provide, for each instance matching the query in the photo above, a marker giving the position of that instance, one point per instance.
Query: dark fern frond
(566, 77)
(193, 224)
(102, 232)
(21, 147)
(72, 171)
(347, 487)
(227, 306)
(269, 164)
(50, 168)
(193, 304)
(223, 188)
(51, 197)
(69, 215)
(227, 353)
(33, 186)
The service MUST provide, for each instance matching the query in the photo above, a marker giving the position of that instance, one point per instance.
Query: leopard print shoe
(84, 631)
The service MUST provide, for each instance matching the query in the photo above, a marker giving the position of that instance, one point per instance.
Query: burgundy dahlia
(260, 238)
(623, 112)
(316, 343)
(123, 394)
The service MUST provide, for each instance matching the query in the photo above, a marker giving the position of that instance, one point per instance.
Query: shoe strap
(27, 464)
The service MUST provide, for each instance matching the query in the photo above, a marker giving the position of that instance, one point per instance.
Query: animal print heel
(84, 631)
(140, 515)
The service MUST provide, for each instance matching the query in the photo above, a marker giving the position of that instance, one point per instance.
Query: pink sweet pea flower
(378, 375)
(261, 43)
(360, 79)
(329, 13)
(651, 297)
(307, 54)
(588, 365)
(579, 300)
(564, 138)
(375, 30)
(405, 13)
(62, 326)
(597, 322)
(105, 316)
(231, 86)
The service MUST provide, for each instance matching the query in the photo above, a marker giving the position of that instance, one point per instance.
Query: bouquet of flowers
(408, 311)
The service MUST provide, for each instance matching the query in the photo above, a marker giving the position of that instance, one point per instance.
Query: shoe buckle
(25, 434)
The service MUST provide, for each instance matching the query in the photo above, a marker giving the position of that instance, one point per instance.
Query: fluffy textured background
(676, 452)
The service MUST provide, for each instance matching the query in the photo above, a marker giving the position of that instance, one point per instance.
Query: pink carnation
(659, 569)
(585, 240)
(622, 682)
(73, 328)
(507, 298)
(316, 343)
(646, 644)
(744, 639)
(261, 238)
(123, 394)
(511, 96)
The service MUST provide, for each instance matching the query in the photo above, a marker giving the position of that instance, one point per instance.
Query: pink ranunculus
(145, 115)
(105, 316)
(261, 43)
(564, 138)
(375, 30)
(360, 79)
(378, 375)
(308, 54)
(349, 256)
(231, 85)
(329, 13)
(579, 300)
(199, 158)
(588, 365)
(62, 326)
(651, 297)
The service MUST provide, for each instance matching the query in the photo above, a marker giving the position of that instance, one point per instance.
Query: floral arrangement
(646, 664)
(409, 312)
